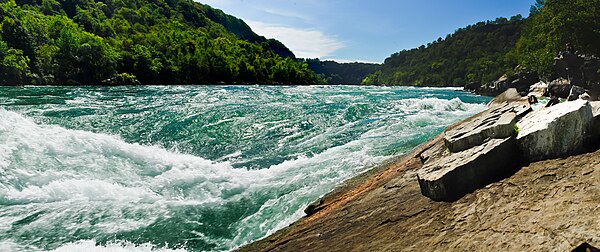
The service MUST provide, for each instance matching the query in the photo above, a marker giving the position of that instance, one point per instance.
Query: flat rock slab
(509, 95)
(495, 123)
(555, 131)
(452, 177)
(434, 152)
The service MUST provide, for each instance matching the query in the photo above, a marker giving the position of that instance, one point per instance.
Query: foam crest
(90, 246)
(93, 190)
(63, 184)
(99, 167)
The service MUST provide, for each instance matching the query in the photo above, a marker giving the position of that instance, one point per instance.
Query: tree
(555, 23)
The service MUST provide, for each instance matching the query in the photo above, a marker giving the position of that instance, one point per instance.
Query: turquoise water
(193, 168)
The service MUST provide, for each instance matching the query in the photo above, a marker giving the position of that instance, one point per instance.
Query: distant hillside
(243, 31)
(136, 42)
(480, 52)
(341, 73)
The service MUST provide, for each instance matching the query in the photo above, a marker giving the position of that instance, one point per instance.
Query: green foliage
(341, 73)
(150, 42)
(554, 24)
(481, 52)
(14, 66)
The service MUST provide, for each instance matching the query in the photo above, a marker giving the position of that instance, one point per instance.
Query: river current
(193, 168)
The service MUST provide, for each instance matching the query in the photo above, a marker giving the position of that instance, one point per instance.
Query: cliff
(549, 205)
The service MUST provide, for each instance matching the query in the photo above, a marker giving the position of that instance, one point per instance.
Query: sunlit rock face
(453, 176)
(555, 131)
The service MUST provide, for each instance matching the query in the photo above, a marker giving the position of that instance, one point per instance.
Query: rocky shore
(572, 75)
(518, 176)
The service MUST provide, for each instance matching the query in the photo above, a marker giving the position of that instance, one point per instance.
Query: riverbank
(548, 206)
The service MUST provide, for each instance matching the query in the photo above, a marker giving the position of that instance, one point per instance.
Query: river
(194, 168)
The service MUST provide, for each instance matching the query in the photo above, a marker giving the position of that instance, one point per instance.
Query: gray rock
(521, 82)
(595, 109)
(473, 86)
(497, 122)
(538, 90)
(509, 95)
(451, 177)
(555, 131)
(585, 96)
(434, 152)
(522, 108)
(560, 88)
(575, 93)
(595, 132)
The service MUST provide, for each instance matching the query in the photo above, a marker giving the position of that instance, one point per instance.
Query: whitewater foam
(117, 181)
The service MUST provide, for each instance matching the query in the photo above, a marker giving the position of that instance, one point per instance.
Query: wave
(90, 246)
(85, 184)
(80, 168)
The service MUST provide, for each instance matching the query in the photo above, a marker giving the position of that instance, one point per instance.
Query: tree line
(487, 50)
(88, 42)
(479, 52)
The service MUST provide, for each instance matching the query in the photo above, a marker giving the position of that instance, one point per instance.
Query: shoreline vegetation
(136, 42)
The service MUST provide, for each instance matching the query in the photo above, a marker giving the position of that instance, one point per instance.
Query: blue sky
(363, 30)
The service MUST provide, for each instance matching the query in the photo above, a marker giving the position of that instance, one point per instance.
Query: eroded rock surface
(538, 90)
(546, 206)
(452, 177)
(494, 123)
(509, 95)
(560, 88)
(555, 131)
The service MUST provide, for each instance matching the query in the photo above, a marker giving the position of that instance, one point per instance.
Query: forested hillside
(487, 50)
(552, 25)
(136, 42)
(480, 52)
(341, 73)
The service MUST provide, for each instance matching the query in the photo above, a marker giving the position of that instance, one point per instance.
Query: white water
(60, 183)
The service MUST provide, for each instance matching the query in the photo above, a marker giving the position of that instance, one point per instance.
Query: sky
(363, 30)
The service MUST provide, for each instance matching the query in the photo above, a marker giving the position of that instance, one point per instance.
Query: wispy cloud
(287, 14)
(305, 43)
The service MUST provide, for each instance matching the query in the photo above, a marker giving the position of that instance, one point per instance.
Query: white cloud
(305, 43)
(287, 14)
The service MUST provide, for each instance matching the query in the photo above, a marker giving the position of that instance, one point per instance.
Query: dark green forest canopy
(341, 73)
(552, 25)
(488, 50)
(136, 42)
(480, 52)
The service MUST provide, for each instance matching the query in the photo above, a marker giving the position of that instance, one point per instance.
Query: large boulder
(453, 176)
(575, 93)
(560, 88)
(509, 95)
(538, 90)
(580, 70)
(595, 132)
(568, 65)
(555, 131)
(497, 122)
(521, 82)
(473, 86)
